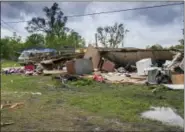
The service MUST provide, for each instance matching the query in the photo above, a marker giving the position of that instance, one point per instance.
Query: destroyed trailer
(33, 56)
(126, 57)
(149, 62)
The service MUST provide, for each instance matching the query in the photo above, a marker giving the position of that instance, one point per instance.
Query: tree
(10, 46)
(54, 24)
(155, 47)
(35, 41)
(74, 39)
(181, 41)
(5, 47)
(111, 36)
(178, 46)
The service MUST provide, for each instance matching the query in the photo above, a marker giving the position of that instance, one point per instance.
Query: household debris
(121, 70)
(39, 69)
(33, 93)
(11, 70)
(6, 124)
(98, 78)
(118, 65)
(16, 105)
(51, 72)
(66, 77)
(157, 76)
(93, 54)
(174, 86)
(175, 60)
(164, 114)
(142, 65)
(108, 66)
(5, 106)
(167, 63)
(181, 65)
(11, 106)
(124, 56)
(177, 78)
(79, 66)
(122, 78)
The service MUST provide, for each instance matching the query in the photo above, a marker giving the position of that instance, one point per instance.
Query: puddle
(165, 115)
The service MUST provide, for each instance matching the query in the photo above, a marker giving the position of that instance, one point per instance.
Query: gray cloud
(155, 16)
(12, 10)
(8, 12)
(146, 26)
(161, 15)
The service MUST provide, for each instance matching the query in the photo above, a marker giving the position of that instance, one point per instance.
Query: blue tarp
(41, 50)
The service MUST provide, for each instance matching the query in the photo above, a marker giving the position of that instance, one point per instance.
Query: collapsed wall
(123, 57)
(131, 57)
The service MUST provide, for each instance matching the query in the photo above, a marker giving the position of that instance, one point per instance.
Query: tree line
(179, 46)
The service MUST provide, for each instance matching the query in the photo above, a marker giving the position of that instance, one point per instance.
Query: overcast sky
(150, 26)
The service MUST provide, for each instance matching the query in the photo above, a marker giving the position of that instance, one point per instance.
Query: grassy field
(83, 105)
(7, 63)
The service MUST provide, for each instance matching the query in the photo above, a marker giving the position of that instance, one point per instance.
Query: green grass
(126, 101)
(71, 108)
(8, 63)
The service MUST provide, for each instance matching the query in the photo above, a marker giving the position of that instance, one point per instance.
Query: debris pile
(127, 65)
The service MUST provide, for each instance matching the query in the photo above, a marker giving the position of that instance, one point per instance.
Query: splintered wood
(11, 106)
(7, 123)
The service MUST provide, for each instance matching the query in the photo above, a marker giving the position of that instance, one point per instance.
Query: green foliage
(111, 36)
(181, 41)
(8, 63)
(73, 39)
(54, 34)
(35, 40)
(125, 102)
(82, 82)
(10, 46)
(178, 46)
(175, 47)
(54, 26)
(155, 47)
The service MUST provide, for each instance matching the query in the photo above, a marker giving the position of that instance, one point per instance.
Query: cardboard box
(177, 78)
